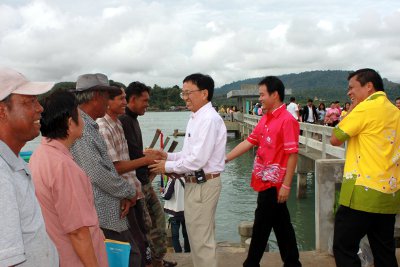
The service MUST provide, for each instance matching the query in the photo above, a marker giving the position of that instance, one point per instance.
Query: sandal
(169, 263)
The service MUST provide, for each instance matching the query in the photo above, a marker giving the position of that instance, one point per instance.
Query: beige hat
(13, 82)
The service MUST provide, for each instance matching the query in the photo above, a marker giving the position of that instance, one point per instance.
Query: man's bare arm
(239, 150)
(125, 166)
(83, 246)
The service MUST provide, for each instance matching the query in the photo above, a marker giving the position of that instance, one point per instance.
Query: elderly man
(113, 194)
(202, 159)
(23, 237)
(369, 197)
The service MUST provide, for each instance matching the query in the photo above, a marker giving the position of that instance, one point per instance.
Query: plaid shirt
(90, 152)
(117, 147)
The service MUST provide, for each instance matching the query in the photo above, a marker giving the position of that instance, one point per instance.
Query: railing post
(305, 134)
(323, 145)
(328, 172)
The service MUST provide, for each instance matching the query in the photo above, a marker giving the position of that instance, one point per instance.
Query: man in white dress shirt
(201, 160)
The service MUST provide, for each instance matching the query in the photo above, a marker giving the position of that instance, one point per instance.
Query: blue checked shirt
(109, 188)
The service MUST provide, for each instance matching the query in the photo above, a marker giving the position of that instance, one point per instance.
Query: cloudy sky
(162, 41)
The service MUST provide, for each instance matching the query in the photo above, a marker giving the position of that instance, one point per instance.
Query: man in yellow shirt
(369, 197)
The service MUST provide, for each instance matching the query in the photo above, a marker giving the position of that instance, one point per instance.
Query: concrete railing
(235, 116)
(251, 120)
(313, 136)
(317, 137)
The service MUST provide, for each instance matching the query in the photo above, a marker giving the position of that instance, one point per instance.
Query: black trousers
(137, 230)
(352, 225)
(272, 215)
(126, 236)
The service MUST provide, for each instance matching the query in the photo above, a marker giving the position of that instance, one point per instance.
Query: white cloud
(160, 42)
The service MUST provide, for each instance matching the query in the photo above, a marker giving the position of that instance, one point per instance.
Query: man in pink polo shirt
(63, 189)
(277, 136)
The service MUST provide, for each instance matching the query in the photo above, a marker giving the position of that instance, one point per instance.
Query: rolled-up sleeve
(291, 136)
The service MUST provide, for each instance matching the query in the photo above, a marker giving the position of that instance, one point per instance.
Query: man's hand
(158, 167)
(283, 195)
(133, 201)
(155, 154)
(125, 205)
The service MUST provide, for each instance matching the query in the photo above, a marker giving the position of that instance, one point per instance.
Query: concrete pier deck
(230, 256)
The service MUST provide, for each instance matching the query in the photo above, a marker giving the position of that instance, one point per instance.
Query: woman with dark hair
(63, 189)
(345, 110)
(321, 111)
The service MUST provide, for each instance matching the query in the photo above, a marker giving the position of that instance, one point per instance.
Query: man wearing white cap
(23, 237)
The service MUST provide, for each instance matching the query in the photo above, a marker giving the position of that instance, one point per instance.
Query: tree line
(324, 86)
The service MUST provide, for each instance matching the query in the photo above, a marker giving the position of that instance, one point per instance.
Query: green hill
(327, 85)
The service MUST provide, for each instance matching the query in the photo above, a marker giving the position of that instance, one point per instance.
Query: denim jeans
(176, 222)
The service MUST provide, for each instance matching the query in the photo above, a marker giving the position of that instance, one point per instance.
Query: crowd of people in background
(330, 116)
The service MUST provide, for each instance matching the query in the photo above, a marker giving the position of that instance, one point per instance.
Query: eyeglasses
(187, 93)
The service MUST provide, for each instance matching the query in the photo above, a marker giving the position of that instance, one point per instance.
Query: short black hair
(58, 108)
(274, 84)
(309, 100)
(117, 84)
(136, 89)
(397, 98)
(203, 82)
(364, 76)
(292, 99)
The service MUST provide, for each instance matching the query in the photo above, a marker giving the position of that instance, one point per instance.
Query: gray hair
(84, 96)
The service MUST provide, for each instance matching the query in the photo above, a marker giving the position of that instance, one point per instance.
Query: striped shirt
(277, 136)
(117, 147)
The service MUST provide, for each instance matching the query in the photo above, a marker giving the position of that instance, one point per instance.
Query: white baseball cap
(13, 82)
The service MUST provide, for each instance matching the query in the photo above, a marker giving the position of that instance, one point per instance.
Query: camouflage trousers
(157, 235)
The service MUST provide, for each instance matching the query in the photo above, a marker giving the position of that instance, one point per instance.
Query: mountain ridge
(317, 84)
